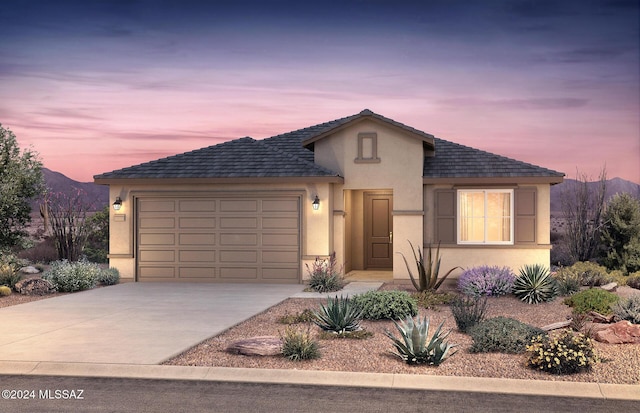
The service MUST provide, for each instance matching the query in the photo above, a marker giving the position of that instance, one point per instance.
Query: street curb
(582, 390)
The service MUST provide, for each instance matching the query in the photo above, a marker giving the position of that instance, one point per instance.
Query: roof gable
(366, 114)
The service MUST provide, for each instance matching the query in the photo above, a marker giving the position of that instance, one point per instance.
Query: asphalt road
(80, 394)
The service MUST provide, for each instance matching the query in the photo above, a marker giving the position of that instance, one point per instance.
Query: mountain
(97, 195)
(612, 187)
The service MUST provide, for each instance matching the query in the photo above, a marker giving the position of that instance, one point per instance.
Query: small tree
(621, 234)
(582, 208)
(20, 181)
(68, 217)
(97, 246)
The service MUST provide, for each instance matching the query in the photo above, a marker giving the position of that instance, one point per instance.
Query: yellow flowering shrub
(566, 353)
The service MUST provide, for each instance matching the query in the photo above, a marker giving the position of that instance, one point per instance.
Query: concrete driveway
(131, 323)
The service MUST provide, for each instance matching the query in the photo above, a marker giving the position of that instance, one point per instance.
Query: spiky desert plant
(339, 315)
(535, 284)
(415, 346)
(428, 272)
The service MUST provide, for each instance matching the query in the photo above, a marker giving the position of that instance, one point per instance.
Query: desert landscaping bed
(620, 363)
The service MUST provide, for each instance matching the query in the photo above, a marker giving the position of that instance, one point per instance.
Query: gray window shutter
(525, 215)
(445, 213)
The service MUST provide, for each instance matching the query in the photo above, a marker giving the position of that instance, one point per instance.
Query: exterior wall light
(316, 203)
(117, 204)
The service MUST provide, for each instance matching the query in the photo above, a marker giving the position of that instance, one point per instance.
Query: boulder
(611, 287)
(29, 270)
(619, 333)
(34, 286)
(257, 346)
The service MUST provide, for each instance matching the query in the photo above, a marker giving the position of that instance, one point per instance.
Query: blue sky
(98, 85)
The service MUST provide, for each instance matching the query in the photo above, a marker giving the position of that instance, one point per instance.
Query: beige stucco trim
(488, 181)
(208, 181)
(119, 255)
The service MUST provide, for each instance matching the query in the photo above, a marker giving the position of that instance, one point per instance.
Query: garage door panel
(228, 239)
(157, 223)
(238, 223)
(196, 256)
(250, 256)
(197, 239)
(280, 223)
(157, 239)
(156, 272)
(238, 205)
(280, 239)
(290, 274)
(290, 257)
(199, 205)
(157, 256)
(196, 272)
(202, 222)
(238, 273)
(245, 238)
(154, 205)
(280, 205)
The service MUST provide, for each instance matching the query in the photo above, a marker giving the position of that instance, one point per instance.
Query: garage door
(219, 239)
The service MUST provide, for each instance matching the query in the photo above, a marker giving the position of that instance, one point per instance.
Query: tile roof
(285, 156)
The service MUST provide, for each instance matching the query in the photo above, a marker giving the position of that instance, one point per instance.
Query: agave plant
(428, 276)
(416, 347)
(339, 316)
(535, 284)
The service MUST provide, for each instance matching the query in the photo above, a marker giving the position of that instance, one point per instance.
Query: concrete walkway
(133, 323)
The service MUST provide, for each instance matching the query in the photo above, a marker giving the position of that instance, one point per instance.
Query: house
(363, 186)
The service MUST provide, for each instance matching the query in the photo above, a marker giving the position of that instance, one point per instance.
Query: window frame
(459, 219)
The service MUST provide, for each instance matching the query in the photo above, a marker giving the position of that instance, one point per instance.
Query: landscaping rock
(29, 270)
(619, 333)
(611, 287)
(34, 286)
(257, 346)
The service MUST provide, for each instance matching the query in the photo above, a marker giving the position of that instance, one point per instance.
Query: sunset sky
(94, 85)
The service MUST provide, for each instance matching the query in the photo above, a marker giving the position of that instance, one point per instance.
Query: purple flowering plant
(486, 280)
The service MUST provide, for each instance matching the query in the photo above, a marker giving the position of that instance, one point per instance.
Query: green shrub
(634, 280)
(109, 276)
(590, 274)
(431, 299)
(567, 353)
(535, 285)
(628, 309)
(593, 299)
(567, 281)
(306, 316)
(298, 345)
(414, 348)
(10, 269)
(4, 291)
(428, 272)
(324, 275)
(468, 311)
(502, 335)
(339, 316)
(393, 305)
(72, 276)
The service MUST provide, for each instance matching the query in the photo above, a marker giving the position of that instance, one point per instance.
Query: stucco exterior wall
(398, 170)
(513, 256)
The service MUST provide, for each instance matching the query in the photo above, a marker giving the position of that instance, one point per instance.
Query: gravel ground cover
(620, 365)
